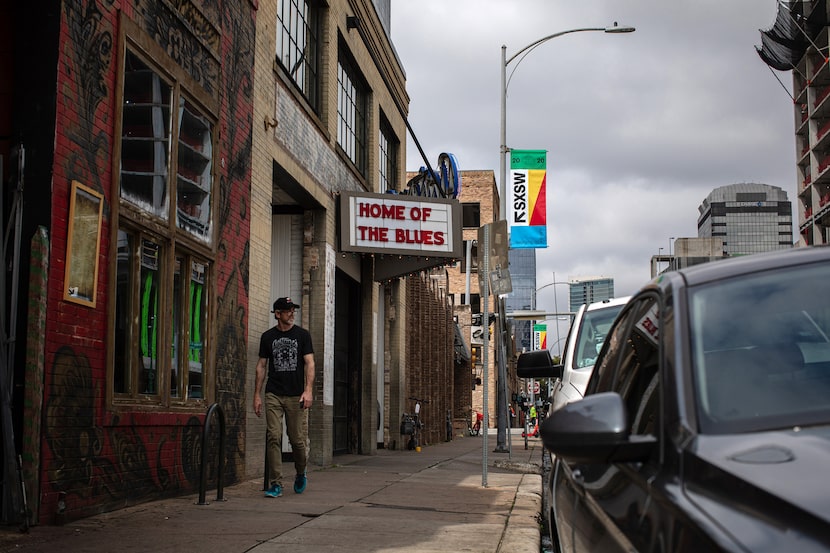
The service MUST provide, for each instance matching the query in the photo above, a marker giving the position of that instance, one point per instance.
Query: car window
(629, 363)
(592, 332)
(637, 377)
(761, 350)
(605, 369)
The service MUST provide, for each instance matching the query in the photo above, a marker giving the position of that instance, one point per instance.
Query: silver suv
(585, 339)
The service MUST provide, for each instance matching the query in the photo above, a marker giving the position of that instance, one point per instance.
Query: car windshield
(761, 350)
(592, 332)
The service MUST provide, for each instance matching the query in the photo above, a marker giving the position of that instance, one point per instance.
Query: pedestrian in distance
(286, 357)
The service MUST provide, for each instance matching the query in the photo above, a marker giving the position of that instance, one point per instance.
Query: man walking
(287, 356)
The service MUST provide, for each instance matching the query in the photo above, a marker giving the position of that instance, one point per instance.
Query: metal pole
(501, 396)
(503, 138)
(556, 308)
(469, 258)
(485, 317)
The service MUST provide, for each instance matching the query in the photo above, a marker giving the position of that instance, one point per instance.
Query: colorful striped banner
(540, 336)
(527, 213)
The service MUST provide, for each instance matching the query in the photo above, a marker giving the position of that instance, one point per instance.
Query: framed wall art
(83, 244)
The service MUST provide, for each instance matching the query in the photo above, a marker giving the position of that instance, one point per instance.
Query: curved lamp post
(502, 392)
(555, 301)
(505, 61)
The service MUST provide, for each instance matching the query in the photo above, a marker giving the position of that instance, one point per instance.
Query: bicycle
(474, 428)
(411, 424)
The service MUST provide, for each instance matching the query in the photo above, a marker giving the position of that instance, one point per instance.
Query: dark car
(706, 422)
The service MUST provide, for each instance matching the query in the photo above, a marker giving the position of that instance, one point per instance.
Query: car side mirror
(537, 364)
(595, 429)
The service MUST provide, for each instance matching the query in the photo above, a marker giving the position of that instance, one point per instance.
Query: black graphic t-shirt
(285, 352)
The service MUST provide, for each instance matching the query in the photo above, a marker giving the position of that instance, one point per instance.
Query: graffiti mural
(110, 463)
(89, 62)
(96, 457)
(165, 26)
(234, 218)
(72, 432)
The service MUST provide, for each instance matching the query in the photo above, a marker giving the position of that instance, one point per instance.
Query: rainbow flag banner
(527, 212)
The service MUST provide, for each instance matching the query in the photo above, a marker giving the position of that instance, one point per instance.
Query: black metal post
(220, 414)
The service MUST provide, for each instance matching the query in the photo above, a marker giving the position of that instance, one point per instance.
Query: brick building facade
(180, 163)
(480, 203)
(126, 140)
(331, 119)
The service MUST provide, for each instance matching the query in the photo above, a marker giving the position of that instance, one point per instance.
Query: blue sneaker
(274, 491)
(299, 483)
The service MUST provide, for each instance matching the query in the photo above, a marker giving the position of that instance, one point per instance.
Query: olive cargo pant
(279, 410)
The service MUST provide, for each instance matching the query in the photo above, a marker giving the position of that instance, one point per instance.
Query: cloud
(639, 127)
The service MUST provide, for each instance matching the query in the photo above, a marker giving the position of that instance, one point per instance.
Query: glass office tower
(589, 290)
(523, 277)
(748, 217)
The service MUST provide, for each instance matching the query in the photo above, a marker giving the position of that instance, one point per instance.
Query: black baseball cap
(283, 304)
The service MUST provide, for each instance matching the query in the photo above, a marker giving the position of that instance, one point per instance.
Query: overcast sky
(639, 128)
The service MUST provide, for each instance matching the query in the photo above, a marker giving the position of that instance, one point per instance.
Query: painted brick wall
(96, 458)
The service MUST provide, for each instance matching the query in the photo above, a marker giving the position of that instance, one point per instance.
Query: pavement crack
(401, 507)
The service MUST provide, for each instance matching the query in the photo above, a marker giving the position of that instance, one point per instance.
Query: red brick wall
(94, 458)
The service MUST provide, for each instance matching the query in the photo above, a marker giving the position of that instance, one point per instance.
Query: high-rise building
(749, 217)
(798, 42)
(588, 290)
(523, 297)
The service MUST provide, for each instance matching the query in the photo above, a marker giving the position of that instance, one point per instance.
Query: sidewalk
(395, 501)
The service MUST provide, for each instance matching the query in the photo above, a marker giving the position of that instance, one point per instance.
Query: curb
(522, 532)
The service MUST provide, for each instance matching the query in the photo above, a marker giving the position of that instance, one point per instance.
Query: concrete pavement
(395, 501)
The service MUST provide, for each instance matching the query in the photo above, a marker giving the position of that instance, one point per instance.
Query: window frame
(389, 147)
(473, 257)
(352, 126)
(309, 85)
(470, 213)
(174, 242)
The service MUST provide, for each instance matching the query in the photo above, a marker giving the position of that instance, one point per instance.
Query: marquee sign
(402, 225)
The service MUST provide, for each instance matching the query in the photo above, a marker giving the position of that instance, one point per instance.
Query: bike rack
(215, 408)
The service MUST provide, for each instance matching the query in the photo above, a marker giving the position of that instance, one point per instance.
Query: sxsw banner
(540, 336)
(527, 214)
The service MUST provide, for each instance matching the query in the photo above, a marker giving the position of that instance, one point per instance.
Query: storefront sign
(394, 224)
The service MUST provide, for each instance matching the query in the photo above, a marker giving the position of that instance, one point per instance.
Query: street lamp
(671, 257)
(559, 350)
(505, 61)
(503, 149)
(555, 301)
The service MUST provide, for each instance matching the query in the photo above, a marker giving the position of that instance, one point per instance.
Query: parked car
(706, 423)
(585, 338)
